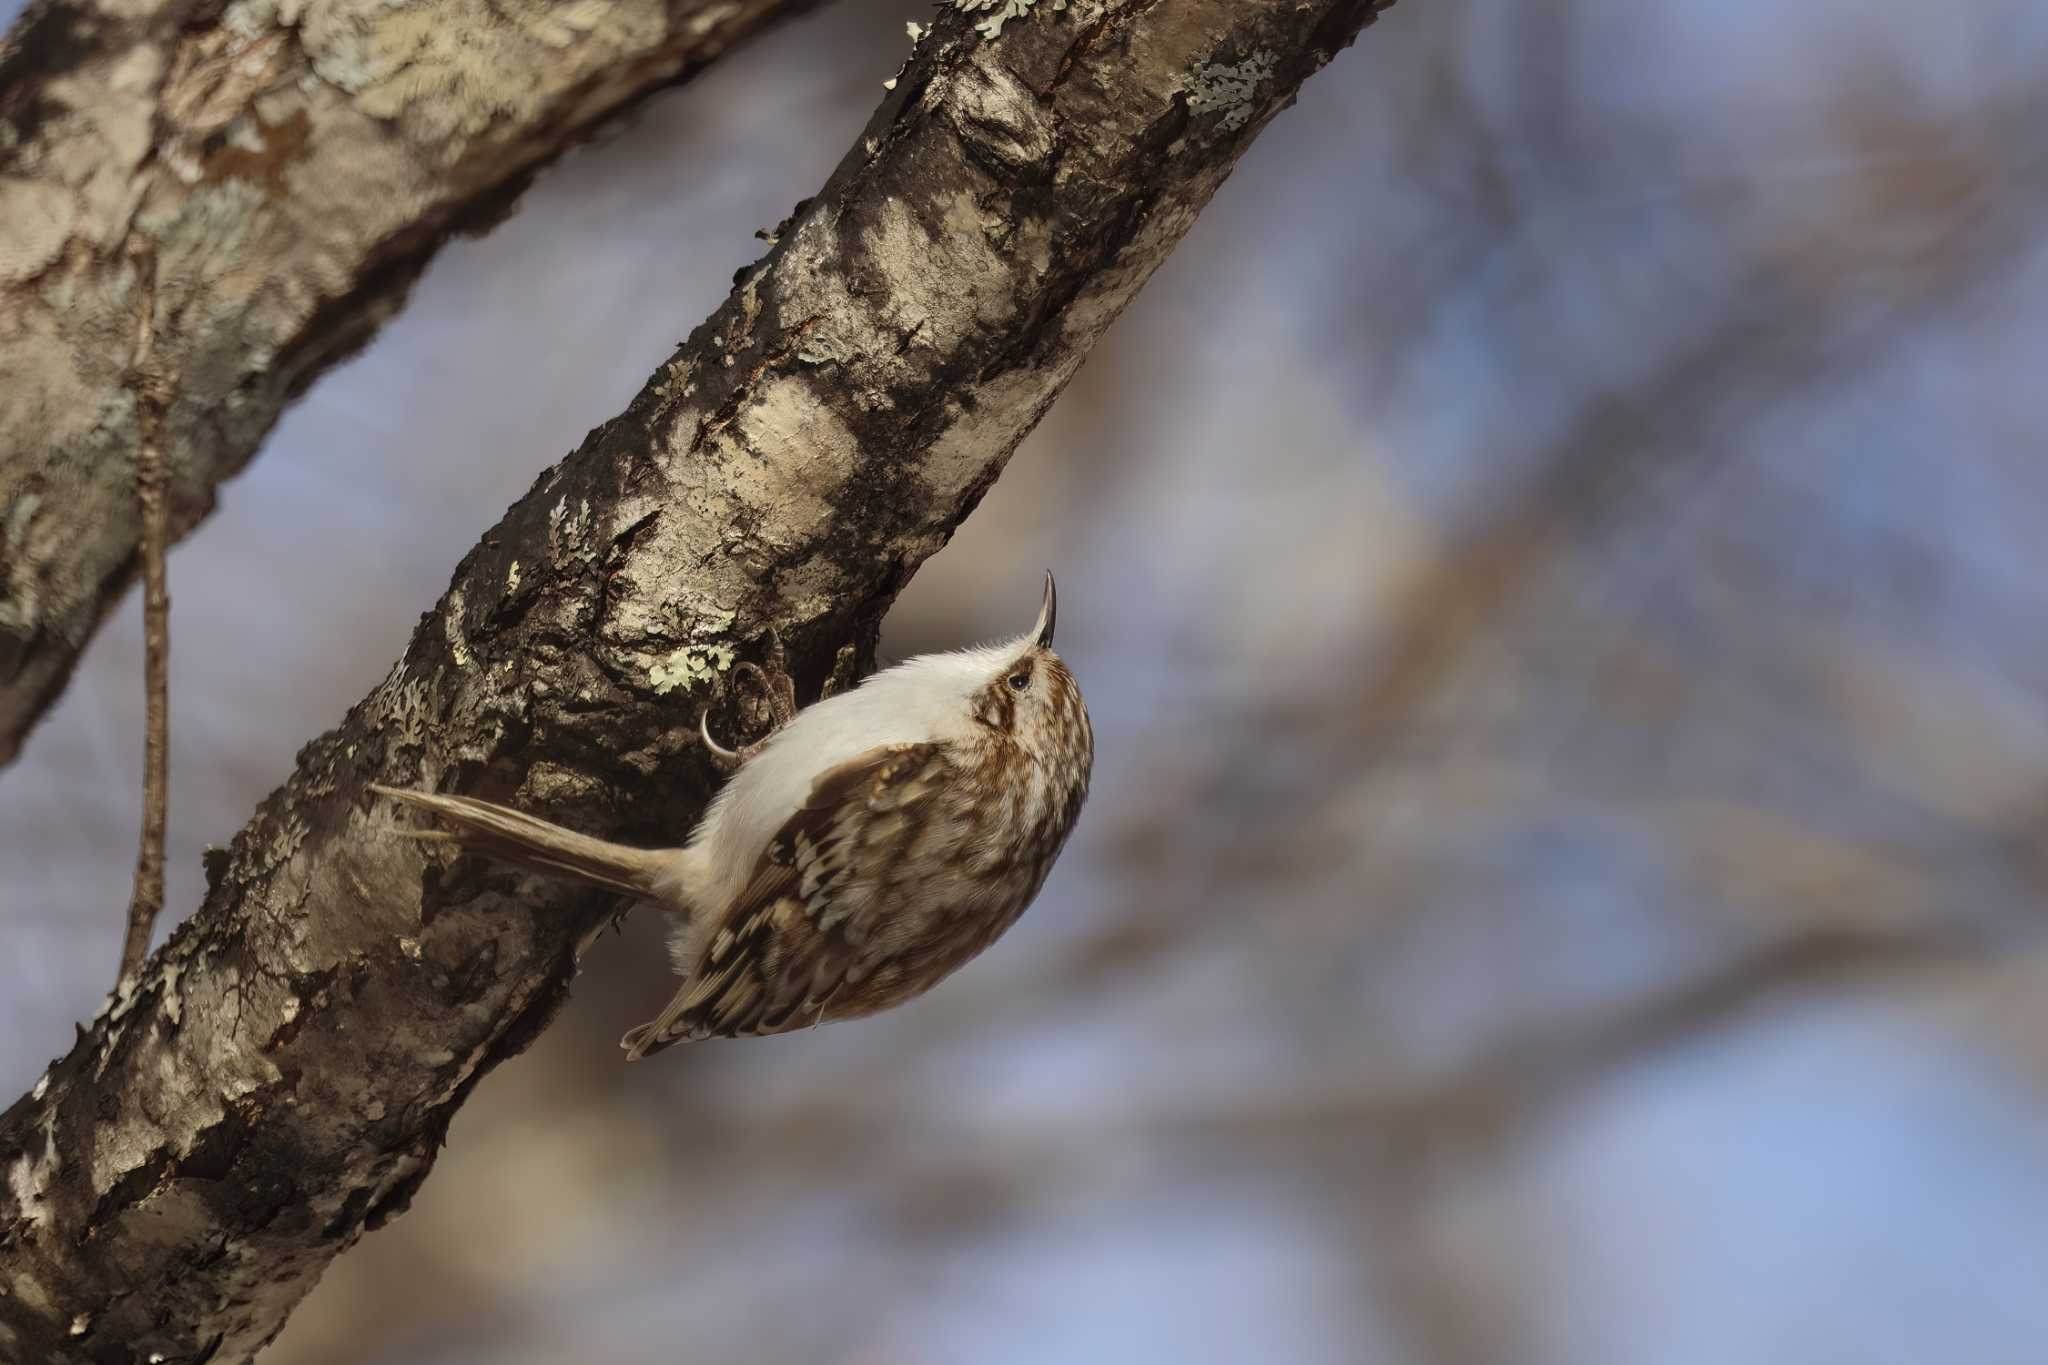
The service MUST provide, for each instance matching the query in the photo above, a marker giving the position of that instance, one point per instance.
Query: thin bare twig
(146, 380)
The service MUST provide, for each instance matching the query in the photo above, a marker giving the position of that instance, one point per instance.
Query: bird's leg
(778, 689)
(845, 672)
(778, 698)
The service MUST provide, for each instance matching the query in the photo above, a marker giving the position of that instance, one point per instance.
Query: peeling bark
(282, 1076)
(293, 164)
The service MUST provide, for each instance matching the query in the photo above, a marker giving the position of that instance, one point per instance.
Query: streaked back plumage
(923, 698)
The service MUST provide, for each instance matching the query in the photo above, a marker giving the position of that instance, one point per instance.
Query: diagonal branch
(292, 168)
(282, 1076)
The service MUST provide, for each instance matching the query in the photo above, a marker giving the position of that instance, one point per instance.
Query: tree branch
(293, 168)
(146, 380)
(284, 1073)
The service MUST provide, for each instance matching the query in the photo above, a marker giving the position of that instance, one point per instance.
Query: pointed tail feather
(644, 1040)
(535, 844)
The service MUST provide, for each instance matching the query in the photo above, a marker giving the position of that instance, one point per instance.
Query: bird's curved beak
(1048, 612)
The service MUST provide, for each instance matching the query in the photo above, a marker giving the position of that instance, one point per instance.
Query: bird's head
(1027, 694)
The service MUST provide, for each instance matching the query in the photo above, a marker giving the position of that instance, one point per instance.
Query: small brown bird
(863, 851)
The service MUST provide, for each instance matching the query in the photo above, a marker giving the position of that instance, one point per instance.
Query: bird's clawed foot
(845, 674)
(778, 689)
(774, 707)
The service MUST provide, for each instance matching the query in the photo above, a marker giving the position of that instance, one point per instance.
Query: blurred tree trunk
(293, 168)
(284, 1073)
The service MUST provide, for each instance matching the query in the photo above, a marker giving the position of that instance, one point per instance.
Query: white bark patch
(173, 1005)
(796, 451)
(35, 220)
(451, 624)
(113, 108)
(1005, 113)
(26, 1181)
(948, 285)
(448, 73)
(119, 1147)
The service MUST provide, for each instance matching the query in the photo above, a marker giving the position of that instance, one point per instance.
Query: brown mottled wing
(804, 927)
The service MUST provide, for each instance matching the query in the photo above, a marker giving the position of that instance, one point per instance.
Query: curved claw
(778, 693)
(727, 759)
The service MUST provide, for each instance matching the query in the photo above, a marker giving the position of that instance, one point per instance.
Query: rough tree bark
(293, 166)
(283, 1075)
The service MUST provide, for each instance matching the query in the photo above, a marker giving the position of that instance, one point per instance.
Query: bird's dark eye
(1020, 681)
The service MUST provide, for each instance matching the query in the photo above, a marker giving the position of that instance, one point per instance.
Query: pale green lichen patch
(408, 716)
(1229, 88)
(569, 531)
(1003, 12)
(688, 666)
(400, 706)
